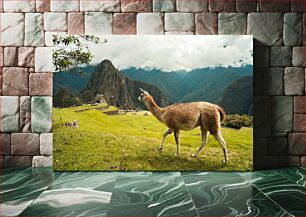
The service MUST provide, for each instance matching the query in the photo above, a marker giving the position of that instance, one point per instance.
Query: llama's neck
(154, 108)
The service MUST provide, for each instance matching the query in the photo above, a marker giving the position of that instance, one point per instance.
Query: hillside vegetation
(229, 86)
(130, 142)
(238, 96)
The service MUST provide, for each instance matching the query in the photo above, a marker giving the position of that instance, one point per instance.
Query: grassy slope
(129, 142)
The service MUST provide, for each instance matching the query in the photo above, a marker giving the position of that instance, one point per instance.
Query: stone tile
(49, 37)
(12, 24)
(46, 144)
(42, 161)
(294, 81)
(5, 144)
(25, 114)
(192, 5)
(97, 206)
(299, 123)
(22, 186)
(297, 5)
(42, 5)
(303, 161)
(98, 23)
(181, 197)
(278, 146)
(293, 29)
(9, 114)
(136, 5)
(222, 5)
(274, 81)
(179, 33)
(296, 143)
(43, 60)
(179, 22)
(267, 28)
(25, 144)
(262, 120)
(55, 21)
(304, 29)
(246, 5)
(100, 5)
(280, 56)
(258, 80)
(10, 56)
(289, 161)
(1, 81)
(18, 161)
(206, 23)
(298, 56)
(19, 6)
(150, 24)
(41, 114)
(26, 56)
(261, 56)
(76, 23)
(1, 157)
(265, 162)
(299, 104)
(40, 84)
(64, 6)
(232, 24)
(1, 56)
(15, 81)
(271, 6)
(305, 81)
(260, 147)
(282, 117)
(34, 29)
(124, 24)
(163, 5)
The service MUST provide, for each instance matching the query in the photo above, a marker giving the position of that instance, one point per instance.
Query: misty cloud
(173, 53)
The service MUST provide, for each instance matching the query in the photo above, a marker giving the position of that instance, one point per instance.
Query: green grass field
(130, 142)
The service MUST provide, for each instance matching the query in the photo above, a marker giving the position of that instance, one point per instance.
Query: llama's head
(144, 96)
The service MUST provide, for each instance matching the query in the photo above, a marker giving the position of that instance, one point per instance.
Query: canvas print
(156, 103)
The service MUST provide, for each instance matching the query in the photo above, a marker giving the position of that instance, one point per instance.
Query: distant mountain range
(205, 84)
(216, 85)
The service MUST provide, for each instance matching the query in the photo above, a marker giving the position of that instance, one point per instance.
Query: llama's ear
(144, 91)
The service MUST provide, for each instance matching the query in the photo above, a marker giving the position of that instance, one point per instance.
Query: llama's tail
(222, 113)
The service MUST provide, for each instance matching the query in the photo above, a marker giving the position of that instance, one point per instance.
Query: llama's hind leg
(221, 141)
(165, 134)
(204, 141)
(177, 140)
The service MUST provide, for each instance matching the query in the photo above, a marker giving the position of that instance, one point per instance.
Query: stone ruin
(72, 124)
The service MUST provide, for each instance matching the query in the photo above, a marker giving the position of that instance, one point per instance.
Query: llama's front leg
(204, 141)
(177, 140)
(165, 134)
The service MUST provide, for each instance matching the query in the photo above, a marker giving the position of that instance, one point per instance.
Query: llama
(187, 116)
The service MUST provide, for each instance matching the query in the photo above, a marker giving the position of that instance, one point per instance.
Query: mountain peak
(106, 62)
(106, 66)
(119, 90)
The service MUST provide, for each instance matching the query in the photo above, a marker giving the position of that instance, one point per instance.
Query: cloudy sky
(173, 53)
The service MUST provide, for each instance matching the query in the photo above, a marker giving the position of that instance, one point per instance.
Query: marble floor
(42, 192)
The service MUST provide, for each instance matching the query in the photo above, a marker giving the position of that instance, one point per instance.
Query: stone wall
(26, 79)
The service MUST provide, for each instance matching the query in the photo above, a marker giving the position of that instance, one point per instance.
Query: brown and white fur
(187, 116)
